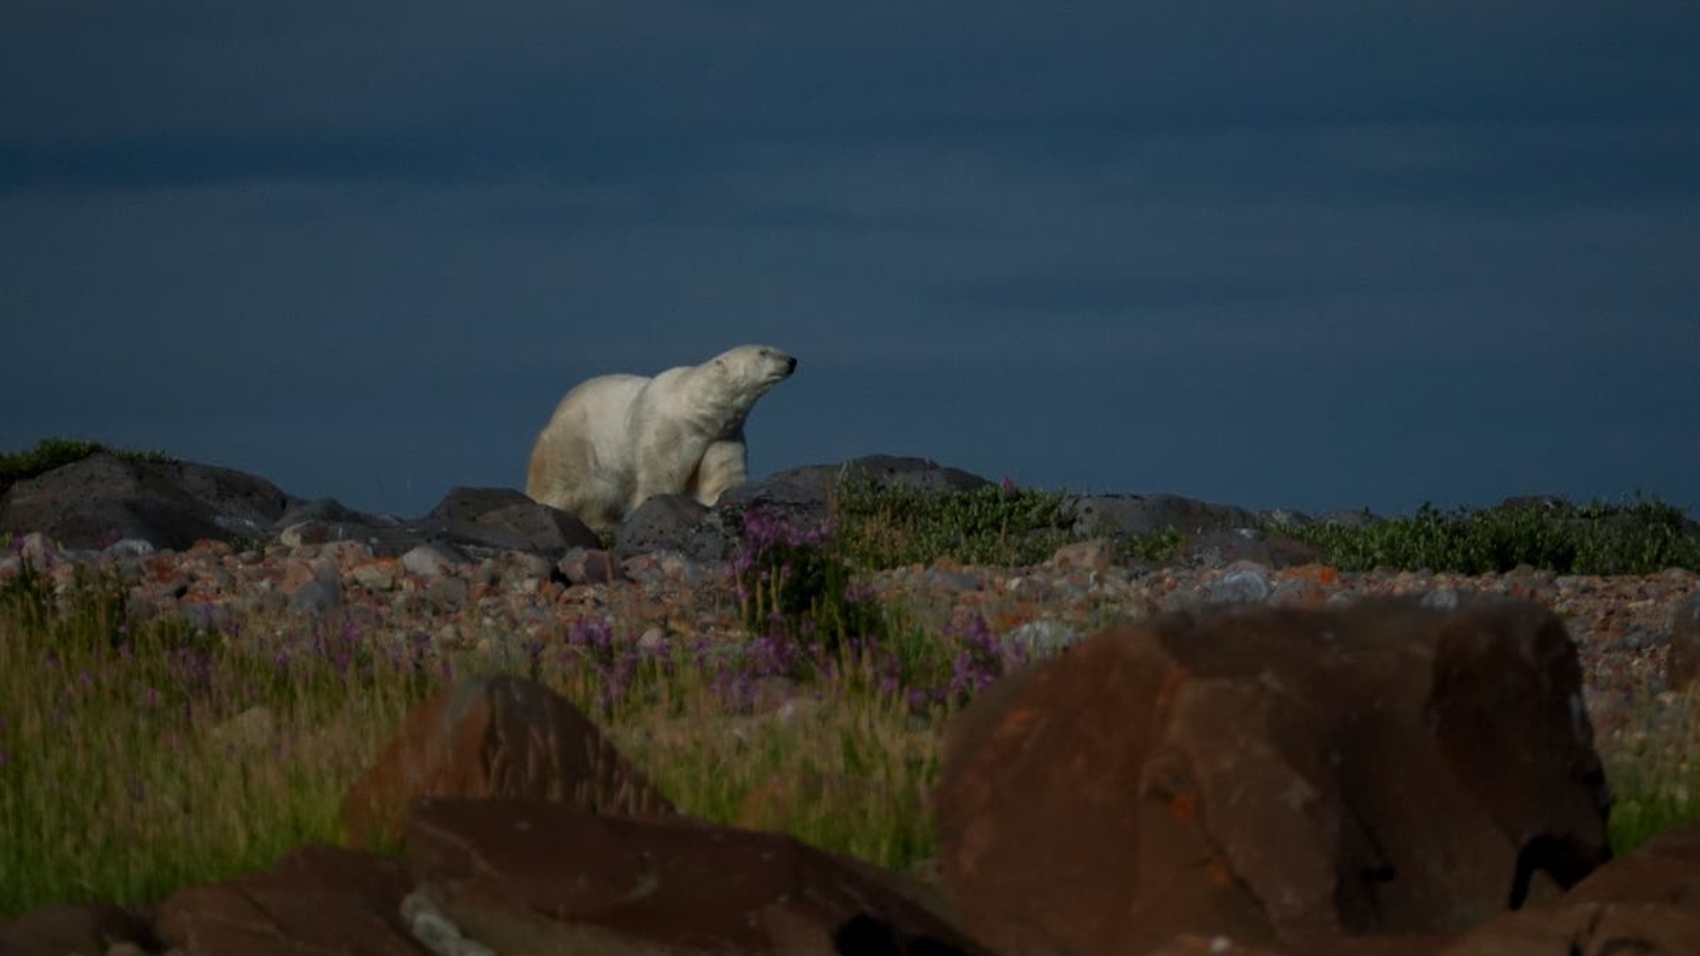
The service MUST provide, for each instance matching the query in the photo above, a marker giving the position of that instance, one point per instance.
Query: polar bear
(615, 440)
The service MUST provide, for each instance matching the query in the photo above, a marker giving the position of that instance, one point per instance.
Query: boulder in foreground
(1285, 778)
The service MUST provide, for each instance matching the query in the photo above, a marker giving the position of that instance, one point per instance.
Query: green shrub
(1638, 538)
(1001, 526)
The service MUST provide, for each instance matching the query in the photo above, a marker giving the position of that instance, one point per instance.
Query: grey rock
(588, 566)
(1142, 515)
(506, 519)
(663, 523)
(1241, 585)
(315, 598)
(92, 503)
(1218, 549)
(1444, 599)
(429, 560)
(324, 511)
(436, 932)
(347, 552)
(130, 548)
(207, 617)
(374, 576)
(1040, 639)
(1284, 518)
(447, 593)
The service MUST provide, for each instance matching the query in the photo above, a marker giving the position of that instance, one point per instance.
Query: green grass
(1654, 769)
(1019, 527)
(1636, 537)
(124, 773)
(123, 776)
(986, 526)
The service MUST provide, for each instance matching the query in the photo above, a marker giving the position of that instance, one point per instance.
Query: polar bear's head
(748, 371)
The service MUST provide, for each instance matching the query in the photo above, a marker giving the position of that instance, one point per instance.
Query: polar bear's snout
(785, 364)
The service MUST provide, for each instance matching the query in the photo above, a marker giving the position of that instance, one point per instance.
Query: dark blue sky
(1303, 254)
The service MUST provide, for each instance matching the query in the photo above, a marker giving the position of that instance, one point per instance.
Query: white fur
(615, 440)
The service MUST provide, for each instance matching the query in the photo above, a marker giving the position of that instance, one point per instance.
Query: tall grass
(139, 756)
(116, 780)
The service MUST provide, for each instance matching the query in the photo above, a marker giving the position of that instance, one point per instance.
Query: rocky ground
(490, 566)
(1458, 767)
(1622, 625)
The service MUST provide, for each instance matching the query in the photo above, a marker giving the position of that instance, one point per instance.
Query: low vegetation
(51, 453)
(138, 755)
(1636, 537)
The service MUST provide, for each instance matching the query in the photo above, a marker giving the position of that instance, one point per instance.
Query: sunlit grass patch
(139, 756)
(1653, 767)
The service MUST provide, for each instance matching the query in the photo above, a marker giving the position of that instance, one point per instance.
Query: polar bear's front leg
(667, 458)
(722, 466)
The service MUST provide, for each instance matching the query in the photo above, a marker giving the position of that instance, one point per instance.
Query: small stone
(447, 593)
(375, 575)
(129, 548)
(39, 550)
(1246, 584)
(1040, 639)
(314, 598)
(1445, 599)
(587, 566)
(1098, 554)
(428, 560)
(345, 552)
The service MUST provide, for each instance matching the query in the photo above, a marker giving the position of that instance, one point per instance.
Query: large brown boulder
(318, 901)
(1285, 778)
(526, 876)
(1647, 903)
(494, 737)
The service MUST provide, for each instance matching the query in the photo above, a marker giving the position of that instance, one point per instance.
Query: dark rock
(807, 489)
(1218, 549)
(1308, 780)
(1142, 515)
(661, 523)
(104, 498)
(326, 511)
(588, 566)
(528, 876)
(494, 737)
(90, 928)
(506, 519)
(1647, 903)
(318, 901)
